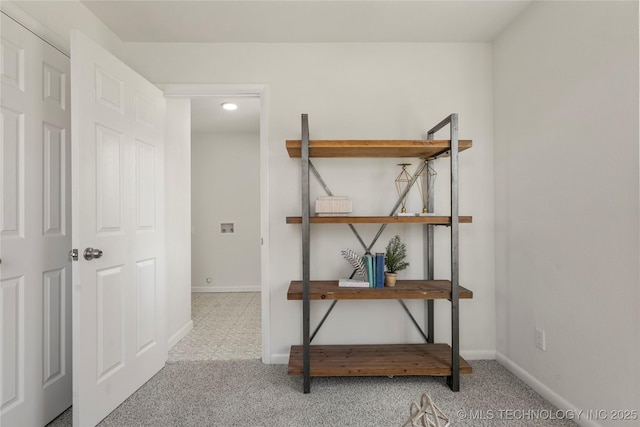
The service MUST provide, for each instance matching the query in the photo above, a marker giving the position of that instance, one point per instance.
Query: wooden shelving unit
(434, 220)
(376, 360)
(429, 358)
(404, 289)
(423, 149)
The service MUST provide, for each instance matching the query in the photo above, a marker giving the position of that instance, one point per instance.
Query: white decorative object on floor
(426, 415)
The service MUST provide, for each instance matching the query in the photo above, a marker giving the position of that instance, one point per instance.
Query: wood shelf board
(375, 148)
(431, 219)
(376, 360)
(404, 289)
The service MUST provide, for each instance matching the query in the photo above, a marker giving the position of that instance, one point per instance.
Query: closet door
(35, 230)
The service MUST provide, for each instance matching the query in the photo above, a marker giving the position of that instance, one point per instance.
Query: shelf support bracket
(333, 304)
(398, 202)
(413, 319)
(330, 193)
(366, 247)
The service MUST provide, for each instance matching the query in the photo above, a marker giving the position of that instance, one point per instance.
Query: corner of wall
(54, 20)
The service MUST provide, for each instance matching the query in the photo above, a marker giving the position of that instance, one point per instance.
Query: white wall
(225, 170)
(360, 91)
(178, 218)
(567, 204)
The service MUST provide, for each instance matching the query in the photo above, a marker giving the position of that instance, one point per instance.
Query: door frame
(179, 90)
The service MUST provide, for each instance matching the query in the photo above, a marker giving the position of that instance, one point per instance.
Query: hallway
(226, 326)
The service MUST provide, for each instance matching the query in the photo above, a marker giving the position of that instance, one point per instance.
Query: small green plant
(394, 257)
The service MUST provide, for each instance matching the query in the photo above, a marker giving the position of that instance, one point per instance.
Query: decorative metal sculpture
(356, 262)
(426, 181)
(426, 415)
(402, 181)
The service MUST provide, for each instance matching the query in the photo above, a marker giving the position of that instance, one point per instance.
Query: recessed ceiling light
(229, 106)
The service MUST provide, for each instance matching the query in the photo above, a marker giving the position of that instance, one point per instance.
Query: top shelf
(376, 148)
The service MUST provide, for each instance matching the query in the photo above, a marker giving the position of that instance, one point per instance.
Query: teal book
(368, 261)
(379, 273)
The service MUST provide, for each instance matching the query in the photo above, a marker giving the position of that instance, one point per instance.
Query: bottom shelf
(376, 360)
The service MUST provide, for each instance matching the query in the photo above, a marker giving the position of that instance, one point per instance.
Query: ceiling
(306, 20)
(207, 115)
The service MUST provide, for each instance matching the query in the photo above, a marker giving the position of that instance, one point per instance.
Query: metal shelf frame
(428, 237)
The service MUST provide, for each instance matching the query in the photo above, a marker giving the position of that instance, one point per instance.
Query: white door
(117, 172)
(35, 230)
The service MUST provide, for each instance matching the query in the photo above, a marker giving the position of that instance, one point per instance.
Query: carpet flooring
(200, 386)
(250, 393)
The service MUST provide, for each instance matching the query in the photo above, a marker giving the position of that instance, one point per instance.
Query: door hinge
(73, 255)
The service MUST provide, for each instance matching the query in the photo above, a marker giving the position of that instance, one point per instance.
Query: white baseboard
(280, 359)
(254, 288)
(182, 332)
(544, 391)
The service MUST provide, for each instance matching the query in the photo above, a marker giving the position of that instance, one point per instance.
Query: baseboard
(182, 332)
(280, 359)
(544, 391)
(254, 288)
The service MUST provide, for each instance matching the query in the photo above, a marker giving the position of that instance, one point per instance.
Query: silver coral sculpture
(356, 262)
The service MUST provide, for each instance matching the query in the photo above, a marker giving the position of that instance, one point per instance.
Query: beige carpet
(249, 393)
(197, 389)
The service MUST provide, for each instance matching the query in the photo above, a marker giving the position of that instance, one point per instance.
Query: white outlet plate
(540, 340)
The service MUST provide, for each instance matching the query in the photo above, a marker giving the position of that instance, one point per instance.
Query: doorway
(229, 206)
(225, 194)
(225, 224)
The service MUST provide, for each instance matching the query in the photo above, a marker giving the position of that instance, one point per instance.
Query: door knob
(91, 253)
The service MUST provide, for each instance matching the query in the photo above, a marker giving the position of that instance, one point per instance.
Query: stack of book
(333, 206)
(374, 265)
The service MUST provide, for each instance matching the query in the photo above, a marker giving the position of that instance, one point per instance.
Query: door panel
(109, 197)
(54, 306)
(34, 230)
(118, 130)
(54, 168)
(12, 342)
(110, 322)
(13, 173)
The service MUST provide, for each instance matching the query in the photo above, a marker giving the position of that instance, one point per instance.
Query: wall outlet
(540, 340)
(208, 280)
